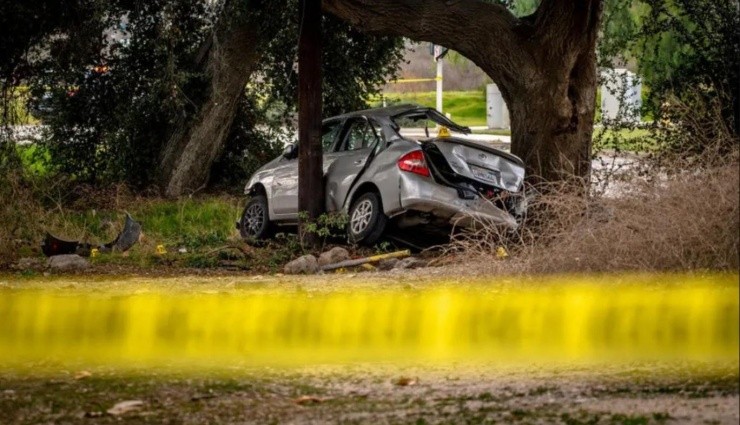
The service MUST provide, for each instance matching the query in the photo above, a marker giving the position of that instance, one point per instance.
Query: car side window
(329, 134)
(359, 136)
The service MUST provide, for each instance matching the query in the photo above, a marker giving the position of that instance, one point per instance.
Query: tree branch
(566, 25)
(485, 33)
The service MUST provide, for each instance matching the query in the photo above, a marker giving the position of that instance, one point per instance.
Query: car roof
(385, 112)
(389, 113)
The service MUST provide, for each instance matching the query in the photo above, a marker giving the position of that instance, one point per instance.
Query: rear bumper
(422, 194)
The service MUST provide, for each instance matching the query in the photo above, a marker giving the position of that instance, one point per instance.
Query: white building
(497, 113)
(621, 95)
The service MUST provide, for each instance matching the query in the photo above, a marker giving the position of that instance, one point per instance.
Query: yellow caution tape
(665, 317)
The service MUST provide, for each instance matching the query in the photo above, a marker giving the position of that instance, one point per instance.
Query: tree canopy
(114, 93)
(117, 80)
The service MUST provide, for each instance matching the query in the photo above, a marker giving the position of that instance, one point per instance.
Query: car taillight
(414, 162)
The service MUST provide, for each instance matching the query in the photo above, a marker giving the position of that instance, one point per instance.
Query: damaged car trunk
(473, 169)
(478, 170)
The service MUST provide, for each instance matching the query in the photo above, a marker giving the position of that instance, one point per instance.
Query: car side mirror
(290, 151)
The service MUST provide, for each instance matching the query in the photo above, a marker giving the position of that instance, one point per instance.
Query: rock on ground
(306, 264)
(388, 264)
(333, 256)
(29, 263)
(68, 262)
(410, 263)
(125, 407)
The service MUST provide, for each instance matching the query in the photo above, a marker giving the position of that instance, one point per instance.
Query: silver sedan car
(377, 177)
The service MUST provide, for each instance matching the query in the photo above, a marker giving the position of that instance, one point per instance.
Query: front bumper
(418, 193)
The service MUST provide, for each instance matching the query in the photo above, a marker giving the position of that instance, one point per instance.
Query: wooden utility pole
(310, 164)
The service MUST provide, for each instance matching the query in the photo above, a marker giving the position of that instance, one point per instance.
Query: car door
(285, 183)
(355, 148)
(284, 190)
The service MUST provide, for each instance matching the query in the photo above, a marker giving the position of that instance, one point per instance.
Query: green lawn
(193, 223)
(469, 108)
(466, 107)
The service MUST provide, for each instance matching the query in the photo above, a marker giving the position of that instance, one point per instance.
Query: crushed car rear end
(461, 184)
(459, 181)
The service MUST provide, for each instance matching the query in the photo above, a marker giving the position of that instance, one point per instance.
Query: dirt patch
(380, 395)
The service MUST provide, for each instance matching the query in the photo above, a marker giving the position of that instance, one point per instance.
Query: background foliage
(110, 104)
(355, 67)
(687, 53)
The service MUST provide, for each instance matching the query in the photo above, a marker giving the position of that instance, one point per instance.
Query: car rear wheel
(255, 223)
(366, 219)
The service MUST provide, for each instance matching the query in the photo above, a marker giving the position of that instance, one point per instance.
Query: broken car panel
(130, 234)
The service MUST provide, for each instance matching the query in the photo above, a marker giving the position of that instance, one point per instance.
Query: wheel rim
(361, 217)
(253, 219)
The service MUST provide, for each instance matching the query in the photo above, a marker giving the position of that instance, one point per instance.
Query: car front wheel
(366, 219)
(255, 223)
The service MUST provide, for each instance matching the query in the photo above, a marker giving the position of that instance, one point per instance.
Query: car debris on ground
(55, 246)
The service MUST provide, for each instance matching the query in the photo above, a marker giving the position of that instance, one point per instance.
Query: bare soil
(382, 395)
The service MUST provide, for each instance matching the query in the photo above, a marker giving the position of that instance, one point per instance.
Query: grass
(469, 108)
(96, 213)
(625, 139)
(196, 232)
(35, 159)
(192, 223)
(466, 107)
(188, 222)
(636, 219)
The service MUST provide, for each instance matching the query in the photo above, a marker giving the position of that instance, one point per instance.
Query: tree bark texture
(310, 172)
(196, 143)
(544, 64)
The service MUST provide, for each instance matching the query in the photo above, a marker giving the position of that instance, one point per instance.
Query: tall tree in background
(113, 94)
(23, 25)
(164, 101)
(264, 38)
(231, 53)
(544, 63)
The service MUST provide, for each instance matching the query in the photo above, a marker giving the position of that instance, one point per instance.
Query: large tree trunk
(194, 146)
(544, 64)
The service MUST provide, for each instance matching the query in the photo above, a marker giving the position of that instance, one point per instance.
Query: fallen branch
(371, 259)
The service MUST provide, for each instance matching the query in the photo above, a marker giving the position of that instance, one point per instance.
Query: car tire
(366, 219)
(255, 223)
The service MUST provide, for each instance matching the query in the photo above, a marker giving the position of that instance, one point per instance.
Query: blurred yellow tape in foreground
(490, 324)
